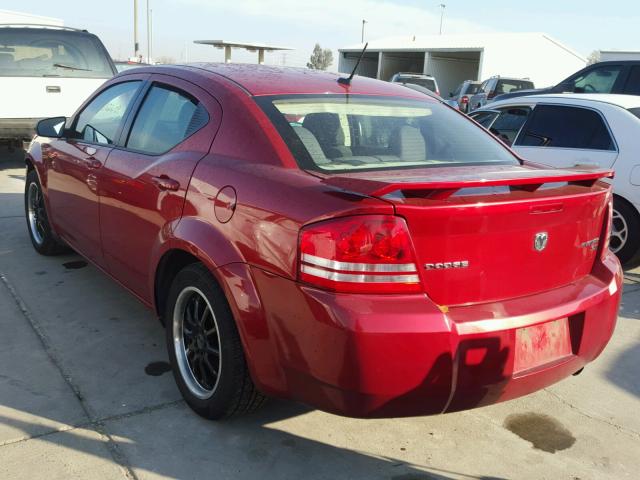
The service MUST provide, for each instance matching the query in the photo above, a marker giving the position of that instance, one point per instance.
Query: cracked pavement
(79, 399)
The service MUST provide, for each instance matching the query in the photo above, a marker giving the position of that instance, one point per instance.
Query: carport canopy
(251, 47)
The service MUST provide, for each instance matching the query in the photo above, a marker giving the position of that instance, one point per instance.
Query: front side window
(165, 119)
(100, 120)
(566, 127)
(384, 133)
(32, 52)
(598, 80)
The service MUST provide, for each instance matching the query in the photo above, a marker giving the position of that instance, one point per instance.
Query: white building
(455, 58)
(618, 55)
(8, 16)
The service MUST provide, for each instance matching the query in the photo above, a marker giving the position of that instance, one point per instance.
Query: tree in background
(594, 57)
(320, 59)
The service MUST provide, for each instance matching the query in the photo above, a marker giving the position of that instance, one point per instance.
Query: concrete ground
(84, 393)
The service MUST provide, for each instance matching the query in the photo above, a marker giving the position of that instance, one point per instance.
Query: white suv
(46, 71)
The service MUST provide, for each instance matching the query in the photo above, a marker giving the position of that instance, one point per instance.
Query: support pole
(136, 46)
(227, 54)
(261, 56)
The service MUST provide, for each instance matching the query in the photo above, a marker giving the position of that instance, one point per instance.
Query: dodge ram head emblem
(540, 241)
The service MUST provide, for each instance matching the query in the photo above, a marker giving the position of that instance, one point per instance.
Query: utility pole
(148, 34)
(442, 7)
(136, 47)
(362, 36)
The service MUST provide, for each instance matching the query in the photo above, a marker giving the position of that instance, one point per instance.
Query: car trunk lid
(485, 234)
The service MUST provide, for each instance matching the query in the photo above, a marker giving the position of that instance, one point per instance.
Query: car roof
(623, 101)
(276, 80)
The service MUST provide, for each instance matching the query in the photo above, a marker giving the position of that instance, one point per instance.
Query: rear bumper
(17, 128)
(383, 356)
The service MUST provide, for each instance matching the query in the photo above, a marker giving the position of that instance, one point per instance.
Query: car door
(566, 136)
(73, 164)
(145, 179)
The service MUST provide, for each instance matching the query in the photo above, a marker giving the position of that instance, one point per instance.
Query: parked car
(426, 81)
(370, 252)
(494, 86)
(121, 66)
(568, 130)
(604, 77)
(46, 71)
(463, 93)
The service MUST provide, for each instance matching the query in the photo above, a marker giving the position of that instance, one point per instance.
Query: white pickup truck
(46, 71)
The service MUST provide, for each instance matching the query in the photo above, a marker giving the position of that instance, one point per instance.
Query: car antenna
(347, 81)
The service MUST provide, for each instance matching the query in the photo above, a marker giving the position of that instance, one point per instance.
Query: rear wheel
(205, 348)
(625, 233)
(42, 237)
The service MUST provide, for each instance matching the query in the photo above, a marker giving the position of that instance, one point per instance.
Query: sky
(584, 25)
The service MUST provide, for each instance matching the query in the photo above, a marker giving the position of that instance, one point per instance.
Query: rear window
(30, 52)
(508, 86)
(472, 88)
(342, 133)
(423, 82)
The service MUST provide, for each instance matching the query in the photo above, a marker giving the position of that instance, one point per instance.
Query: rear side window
(509, 122)
(633, 82)
(100, 120)
(33, 52)
(598, 80)
(484, 118)
(566, 127)
(166, 118)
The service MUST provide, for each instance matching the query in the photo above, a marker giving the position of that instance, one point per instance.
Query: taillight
(437, 92)
(464, 99)
(491, 94)
(360, 254)
(606, 231)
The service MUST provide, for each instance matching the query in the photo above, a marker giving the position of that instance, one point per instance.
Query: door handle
(93, 163)
(165, 183)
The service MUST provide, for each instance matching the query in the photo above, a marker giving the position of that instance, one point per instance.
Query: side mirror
(450, 94)
(51, 127)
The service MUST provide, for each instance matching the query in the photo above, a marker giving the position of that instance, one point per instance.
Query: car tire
(625, 233)
(199, 323)
(42, 237)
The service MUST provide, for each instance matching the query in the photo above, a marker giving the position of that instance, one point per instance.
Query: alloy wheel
(619, 232)
(196, 341)
(36, 213)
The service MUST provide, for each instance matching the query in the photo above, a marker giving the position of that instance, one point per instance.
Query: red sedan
(356, 246)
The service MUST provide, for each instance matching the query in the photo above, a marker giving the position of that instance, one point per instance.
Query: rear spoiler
(529, 180)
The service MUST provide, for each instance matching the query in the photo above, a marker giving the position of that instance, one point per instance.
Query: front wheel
(40, 232)
(205, 349)
(625, 233)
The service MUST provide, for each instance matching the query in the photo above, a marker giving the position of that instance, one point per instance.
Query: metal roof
(252, 47)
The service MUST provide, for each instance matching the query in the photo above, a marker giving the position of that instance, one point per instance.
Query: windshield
(30, 52)
(343, 133)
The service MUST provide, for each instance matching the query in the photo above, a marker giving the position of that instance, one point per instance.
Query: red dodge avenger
(353, 245)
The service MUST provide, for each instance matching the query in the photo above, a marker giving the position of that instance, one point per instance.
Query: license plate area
(541, 344)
